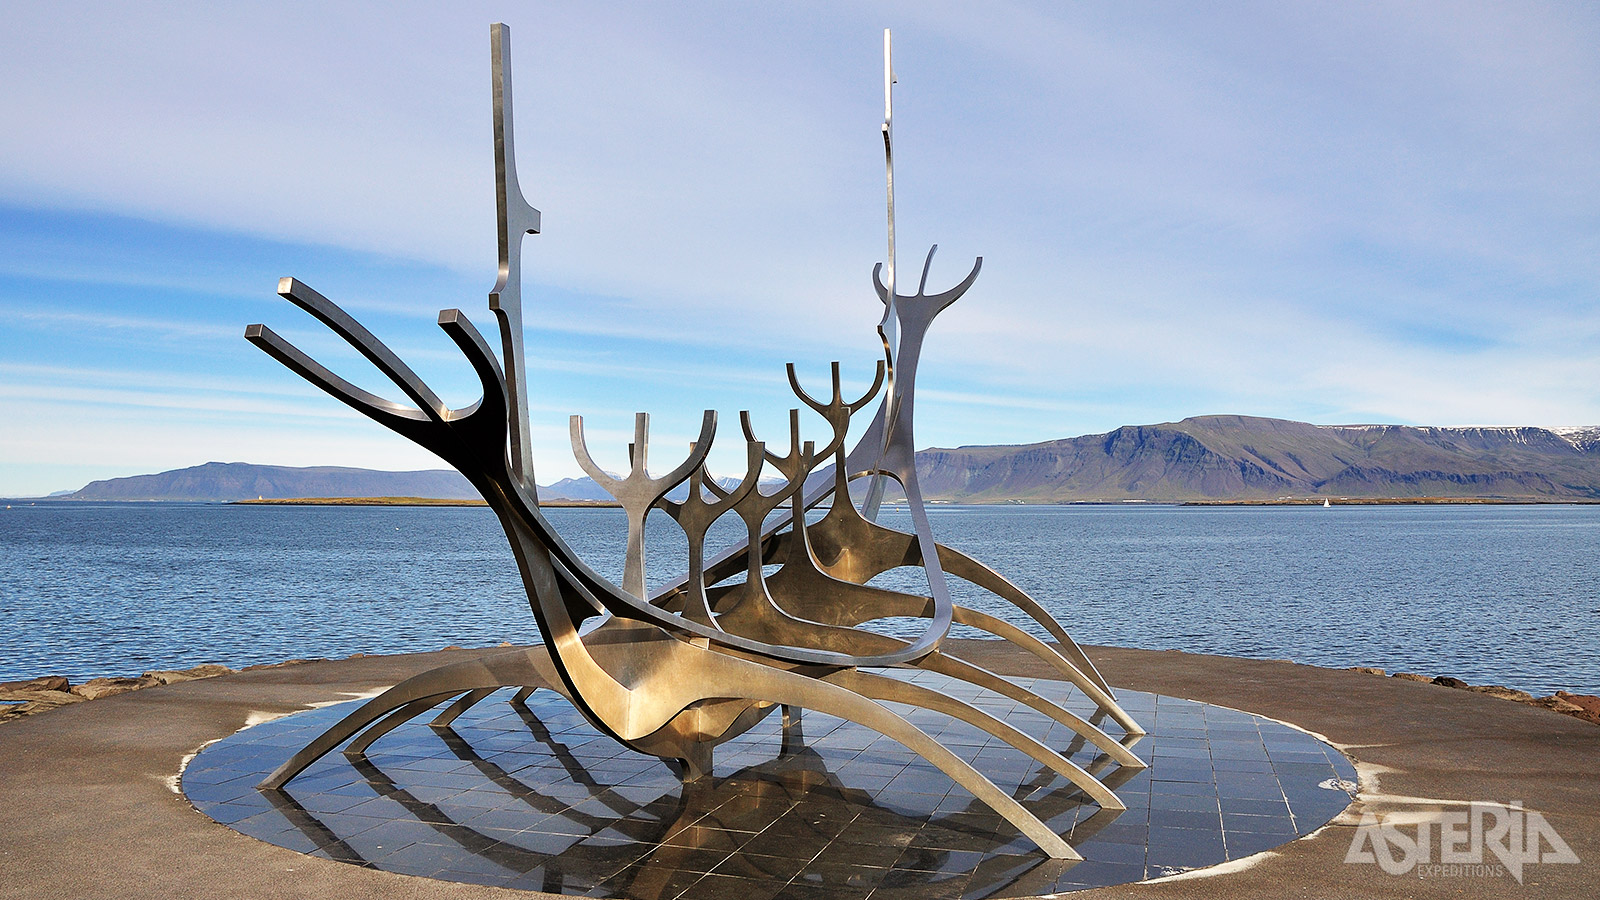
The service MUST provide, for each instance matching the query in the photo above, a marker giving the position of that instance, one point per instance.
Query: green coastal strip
(401, 501)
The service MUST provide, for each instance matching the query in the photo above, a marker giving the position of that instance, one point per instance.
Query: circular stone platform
(535, 798)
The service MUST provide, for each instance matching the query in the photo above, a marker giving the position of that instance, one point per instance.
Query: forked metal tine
(781, 463)
(937, 301)
(580, 450)
(386, 412)
(477, 351)
(697, 452)
(838, 403)
(357, 336)
(711, 484)
(807, 399)
(877, 382)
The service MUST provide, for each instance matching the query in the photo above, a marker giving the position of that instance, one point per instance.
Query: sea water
(1489, 594)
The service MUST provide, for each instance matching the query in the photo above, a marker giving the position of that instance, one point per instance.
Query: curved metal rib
(877, 687)
(454, 710)
(512, 667)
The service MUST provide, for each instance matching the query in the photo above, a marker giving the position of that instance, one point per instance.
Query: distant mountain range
(1201, 458)
(223, 482)
(1251, 458)
(217, 481)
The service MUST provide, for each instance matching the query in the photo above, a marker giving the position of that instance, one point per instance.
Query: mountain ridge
(1205, 458)
(1254, 458)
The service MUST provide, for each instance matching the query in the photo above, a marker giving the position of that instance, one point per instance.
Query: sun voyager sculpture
(677, 672)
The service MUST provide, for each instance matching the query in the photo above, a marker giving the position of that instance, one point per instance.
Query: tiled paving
(536, 798)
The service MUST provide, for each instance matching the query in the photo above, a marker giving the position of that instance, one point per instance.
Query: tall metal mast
(888, 329)
(515, 218)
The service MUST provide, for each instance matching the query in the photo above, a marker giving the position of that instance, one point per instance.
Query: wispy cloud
(1320, 211)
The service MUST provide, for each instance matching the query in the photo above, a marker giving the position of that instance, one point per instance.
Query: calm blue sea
(1491, 594)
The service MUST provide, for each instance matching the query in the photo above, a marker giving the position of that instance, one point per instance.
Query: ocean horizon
(1491, 594)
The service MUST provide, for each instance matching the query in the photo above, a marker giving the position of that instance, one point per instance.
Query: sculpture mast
(888, 329)
(515, 218)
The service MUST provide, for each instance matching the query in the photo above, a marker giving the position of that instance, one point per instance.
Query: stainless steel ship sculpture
(678, 672)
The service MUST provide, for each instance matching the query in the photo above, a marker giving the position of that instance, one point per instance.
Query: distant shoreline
(888, 504)
(404, 501)
(1393, 501)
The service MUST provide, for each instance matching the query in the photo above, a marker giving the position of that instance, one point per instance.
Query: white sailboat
(1326, 503)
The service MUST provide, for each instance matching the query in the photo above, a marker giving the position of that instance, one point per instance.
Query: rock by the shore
(46, 683)
(1579, 706)
(1502, 692)
(49, 698)
(280, 665)
(95, 688)
(173, 676)
(1556, 704)
(1588, 706)
(1367, 670)
(24, 698)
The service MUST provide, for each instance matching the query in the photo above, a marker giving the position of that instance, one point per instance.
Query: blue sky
(1331, 212)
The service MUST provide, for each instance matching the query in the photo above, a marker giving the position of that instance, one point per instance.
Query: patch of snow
(1583, 437)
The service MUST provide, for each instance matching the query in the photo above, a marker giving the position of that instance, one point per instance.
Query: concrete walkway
(88, 806)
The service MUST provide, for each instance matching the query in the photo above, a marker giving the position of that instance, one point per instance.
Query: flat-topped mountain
(216, 481)
(1201, 458)
(1252, 458)
(226, 482)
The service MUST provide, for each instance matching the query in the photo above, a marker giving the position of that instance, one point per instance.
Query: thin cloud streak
(1325, 211)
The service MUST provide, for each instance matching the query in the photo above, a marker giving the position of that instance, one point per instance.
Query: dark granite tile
(867, 832)
(1167, 844)
(1193, 802)
(779, 843)
(1164, 751)
(941, 838)
(1121, 832)
(1255, 807)
(638, 882)
(686, 858)
(1014, 874)
(1257, 824)
(907, 884)
(1164, 768)
(1106, 851)
(704, 838)
(1247, 843)
(230, 813)
(750, 865)
(1241, 764)
(929, 859)
(1184, 856)
(1096, 873)
(543, 842)
(796, 890)
(842, 878)
(1260, 791)
(838, 855)
(1187, 819)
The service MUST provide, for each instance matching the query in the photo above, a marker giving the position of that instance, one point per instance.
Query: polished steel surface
(677, 674)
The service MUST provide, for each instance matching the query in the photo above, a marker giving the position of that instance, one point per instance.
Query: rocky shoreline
(1578, 706)
(37, 695)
